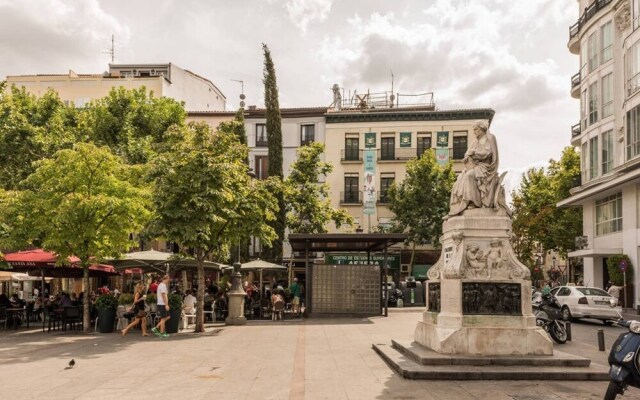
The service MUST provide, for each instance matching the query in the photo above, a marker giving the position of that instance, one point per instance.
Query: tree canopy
(537, 222)
(308, 206)
(274, 143)
(81, 202)
(205, 199)
(421, 200)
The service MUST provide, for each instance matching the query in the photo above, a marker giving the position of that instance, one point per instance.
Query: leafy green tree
(308, 206)
(421, 200)
(31, 129)
(537, 222)
(82, 203)
(274, 142)
(131, 122)
(204, 198)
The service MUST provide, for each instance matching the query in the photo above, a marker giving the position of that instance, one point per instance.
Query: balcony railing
(576, 130)
(351, 155)
(589, 13)
(351, 197)
(262, 143)
(575, 80)
(399, 153)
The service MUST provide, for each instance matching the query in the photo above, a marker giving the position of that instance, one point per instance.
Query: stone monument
(478, 293)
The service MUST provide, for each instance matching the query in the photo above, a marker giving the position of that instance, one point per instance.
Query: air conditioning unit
(404, 268)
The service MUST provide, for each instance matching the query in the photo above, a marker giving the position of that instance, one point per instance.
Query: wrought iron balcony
(399, 153)
(351, 197)
(351, 155)
(576, 130)
(588, 13)
(575, 80)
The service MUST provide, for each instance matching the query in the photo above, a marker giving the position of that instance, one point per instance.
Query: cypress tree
(274, 143)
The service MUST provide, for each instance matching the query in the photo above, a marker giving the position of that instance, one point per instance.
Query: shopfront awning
(591, 253)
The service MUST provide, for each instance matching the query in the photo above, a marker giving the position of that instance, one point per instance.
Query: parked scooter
(624, 358)
(548, 315)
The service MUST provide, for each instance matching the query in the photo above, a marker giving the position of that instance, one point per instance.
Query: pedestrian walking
(163, 307)
(614, 290)
(295, 291)
(140, 316)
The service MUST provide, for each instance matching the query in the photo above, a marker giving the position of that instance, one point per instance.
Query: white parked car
(585, 302)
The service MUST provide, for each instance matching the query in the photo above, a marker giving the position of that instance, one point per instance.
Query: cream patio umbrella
(261, 266)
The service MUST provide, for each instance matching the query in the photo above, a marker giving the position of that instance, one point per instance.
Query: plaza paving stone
(317, 359)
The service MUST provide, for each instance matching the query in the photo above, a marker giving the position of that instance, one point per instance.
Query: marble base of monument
(479, 293)
(236, 309)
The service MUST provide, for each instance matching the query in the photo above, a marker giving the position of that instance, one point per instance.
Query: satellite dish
(242, 96)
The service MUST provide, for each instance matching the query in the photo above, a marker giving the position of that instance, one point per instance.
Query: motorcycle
(624, 358)
(548, 315)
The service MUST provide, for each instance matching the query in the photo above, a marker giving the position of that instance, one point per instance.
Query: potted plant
(152, 302)
(125, 299)
(107, 305)
(175, 310)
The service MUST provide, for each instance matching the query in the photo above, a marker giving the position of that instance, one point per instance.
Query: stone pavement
(317, 359)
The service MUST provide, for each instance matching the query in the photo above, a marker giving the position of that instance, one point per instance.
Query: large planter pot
(172, 325)
(106, 320)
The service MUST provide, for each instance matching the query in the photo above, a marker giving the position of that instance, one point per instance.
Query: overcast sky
(510, 55)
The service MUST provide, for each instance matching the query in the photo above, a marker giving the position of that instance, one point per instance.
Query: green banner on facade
(443, 139)
(369, 195)
(370, 140)
(405, 139)
(361, 259)
(442, 156)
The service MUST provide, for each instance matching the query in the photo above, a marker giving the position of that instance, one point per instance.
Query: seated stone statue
(479, 185)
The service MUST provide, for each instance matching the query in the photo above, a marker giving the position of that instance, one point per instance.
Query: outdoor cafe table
(15, 312)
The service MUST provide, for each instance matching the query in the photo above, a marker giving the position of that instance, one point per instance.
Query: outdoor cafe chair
(3, 317)
(71, 316)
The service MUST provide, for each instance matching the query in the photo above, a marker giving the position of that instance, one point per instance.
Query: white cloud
(51, 36)
(302, 12)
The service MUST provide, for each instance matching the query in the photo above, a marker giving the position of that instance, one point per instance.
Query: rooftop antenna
(242, 96)
(392, 97)
(112, 50)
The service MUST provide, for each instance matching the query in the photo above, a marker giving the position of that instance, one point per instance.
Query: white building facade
(607, 40)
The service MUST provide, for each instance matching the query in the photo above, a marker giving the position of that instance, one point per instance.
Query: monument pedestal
(479, 294)
(236, 299)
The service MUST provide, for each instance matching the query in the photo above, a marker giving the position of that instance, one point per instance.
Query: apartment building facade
(164, 80)
(607, 40)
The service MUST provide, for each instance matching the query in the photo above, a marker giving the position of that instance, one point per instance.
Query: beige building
(606, 38)
(399, 135)
(164, 80)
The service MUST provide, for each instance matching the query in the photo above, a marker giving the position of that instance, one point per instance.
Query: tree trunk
(200, 296)
(86, 311)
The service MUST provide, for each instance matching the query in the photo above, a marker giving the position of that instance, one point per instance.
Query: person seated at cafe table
(189, 303)
(4, 301)
(64, 300)
(16, 301)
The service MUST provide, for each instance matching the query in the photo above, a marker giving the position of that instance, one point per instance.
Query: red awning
(39, 262)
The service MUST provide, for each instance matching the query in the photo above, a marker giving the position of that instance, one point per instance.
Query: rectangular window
(423, 144)
(593, 103)
(606, 33)
(352, 149)
(593, 157)
(388, 148)
(386, 180)
(262, 167)
(609, 214)
(351, 189)
(592, 46)
(583, 160)
(607, 95)
(633, 133)
(633, 68)
(607, 152)
(307, 134)
(583, 110)
(459, 147)
(261, 135)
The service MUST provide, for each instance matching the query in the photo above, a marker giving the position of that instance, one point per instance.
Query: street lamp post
(237, 293)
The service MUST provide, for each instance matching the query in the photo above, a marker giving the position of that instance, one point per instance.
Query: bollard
(600, 340)
(568, 328)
